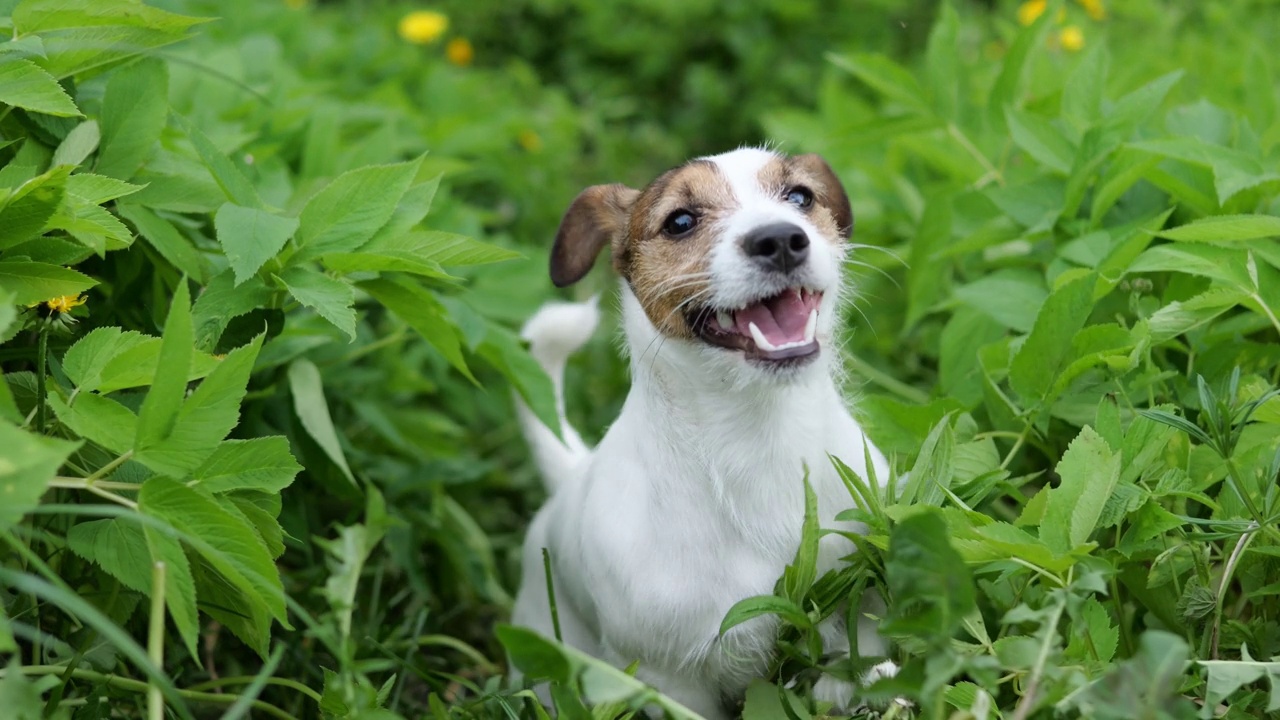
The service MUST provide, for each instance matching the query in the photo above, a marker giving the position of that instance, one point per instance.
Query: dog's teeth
(811, 327)
(761, 341)
(725, 319)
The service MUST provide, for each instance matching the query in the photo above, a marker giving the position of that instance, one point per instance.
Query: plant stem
(155, 640)
(42, 392)
(1227, 571)
(551, 594)
(74, 483)
(1233, 475)
(246, 679)
(1028, 700)
(124, 683)
(106, 469)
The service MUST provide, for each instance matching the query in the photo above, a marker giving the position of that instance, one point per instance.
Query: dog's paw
(842, 694)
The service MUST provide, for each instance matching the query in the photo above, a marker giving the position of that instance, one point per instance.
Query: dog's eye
(679, 222)
(800, 196)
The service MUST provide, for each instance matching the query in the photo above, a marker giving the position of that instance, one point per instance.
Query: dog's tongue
(781, 319)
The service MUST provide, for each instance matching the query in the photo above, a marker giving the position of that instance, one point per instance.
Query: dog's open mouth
(779, 328)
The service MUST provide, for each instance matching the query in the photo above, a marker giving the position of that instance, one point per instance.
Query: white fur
(694, 498)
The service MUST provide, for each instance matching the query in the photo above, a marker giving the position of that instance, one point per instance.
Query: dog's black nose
(779, 247)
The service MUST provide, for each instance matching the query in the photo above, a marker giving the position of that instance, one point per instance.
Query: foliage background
(1037, 184)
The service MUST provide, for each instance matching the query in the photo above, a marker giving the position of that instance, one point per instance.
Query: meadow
(263, 264)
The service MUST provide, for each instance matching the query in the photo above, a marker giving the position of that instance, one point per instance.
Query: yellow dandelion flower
(1030, 10)
(459, 52)
(1071, 38)
(65, 303)
(423, 27)
(1094, 8)
(529, 140)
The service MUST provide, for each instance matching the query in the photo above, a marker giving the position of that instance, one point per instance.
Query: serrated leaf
(1040, 139)
(250, 237)
(1047, 349)
(1225, 228)
(1010, 298)
(100, 419)
(135, 107)
(312, 409)
(33, 282)
(227, 543)
(503, 350)
(423, 312)
(166, 240)
(126, 551)
(334, 300)
(78, 145)
(252, 507)
(349, 210)
(98, 189)
(931, 586)
(205, 418)
(221, 302)
(1096, 638)
(234, 185)
(28, 208)
(27, 463)
(1089, 471)
(92, 226)
(885, 76)
(26, 85)
(160, 408)
(264, 464)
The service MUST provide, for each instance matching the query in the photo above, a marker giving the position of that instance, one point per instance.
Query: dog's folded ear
(832, 194)
(596, 217)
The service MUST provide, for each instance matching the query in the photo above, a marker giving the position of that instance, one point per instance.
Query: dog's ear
(831, 194)
(596, 217)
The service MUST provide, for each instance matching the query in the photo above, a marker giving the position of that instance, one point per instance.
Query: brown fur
(667, 273)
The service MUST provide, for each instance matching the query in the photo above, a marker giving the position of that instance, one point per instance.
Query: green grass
(303, 245)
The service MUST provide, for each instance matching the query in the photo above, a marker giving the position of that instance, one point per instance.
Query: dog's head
(738, 254)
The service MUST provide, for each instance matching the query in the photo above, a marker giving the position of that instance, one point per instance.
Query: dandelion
(423, 27)
(529, 140)
(1029, 11)
(1071, 38)
(54, 307)
(1094, 8)
(459, 52)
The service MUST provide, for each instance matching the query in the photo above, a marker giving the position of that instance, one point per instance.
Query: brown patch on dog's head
(670, 272)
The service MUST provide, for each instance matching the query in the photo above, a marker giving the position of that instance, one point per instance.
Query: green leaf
(502, 349)
(27, 463)
(313, 411)
(799, 575)
(1226, 228)
(160, 408)
(1233, 171)
(1095, 638)
(250, 237)
(1012, 299)
(885, 76)
(333, 300)
(33, 282)
(24, 84)
(386, 261)
(754, 607)
(928, 580)
(100, 419)
(25, 211)
(1047, 349)
(221, 302)
(1225, 677)
(442, 248)
(206, 417)
(226, 542)
(135, 108)
(264, 464)
(234, 185)
(107, 360)
(77, 145)
(1089, 471)
(1182, 316)
(166, 240)
(1040, 139)
(423, 312)
(1008, 88)
(349, 210)
(127, 551)
(942, 63)
(1082, 94)
(92, 226)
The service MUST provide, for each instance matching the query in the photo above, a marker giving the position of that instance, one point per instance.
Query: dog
(731, 270)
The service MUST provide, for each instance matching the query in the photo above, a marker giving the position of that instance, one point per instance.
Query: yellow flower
(459, 52)
(1030, 10)
(60, 305)
(1071, 38)
(423, 26)
(1094, 8)
(529, 140)
(295, 4)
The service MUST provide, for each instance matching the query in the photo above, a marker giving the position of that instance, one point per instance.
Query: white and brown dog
(694, 499)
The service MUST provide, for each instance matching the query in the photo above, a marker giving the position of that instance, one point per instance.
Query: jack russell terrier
(694, 498)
